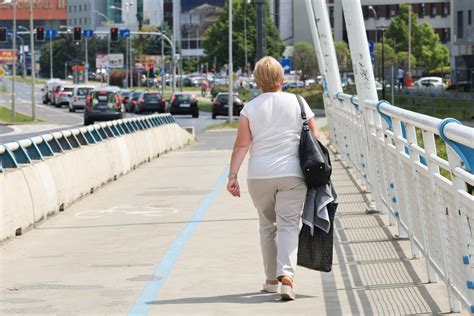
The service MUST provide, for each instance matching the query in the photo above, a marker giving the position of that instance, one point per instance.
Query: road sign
(371, 50)
(286, 64)
(51, 34)
(88, 33)
(125, 33)
(8, 56)
(2, 72)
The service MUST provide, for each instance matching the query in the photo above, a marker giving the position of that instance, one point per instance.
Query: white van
(79, 96)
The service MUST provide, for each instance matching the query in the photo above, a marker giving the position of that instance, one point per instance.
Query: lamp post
(231, 84)
(245, 32)
(14, 61)
(23, 54)
(33, 63)
(382, 28)
(108, 42)
(128, 43)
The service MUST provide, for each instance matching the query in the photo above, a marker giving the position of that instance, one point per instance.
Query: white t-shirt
(275, 124)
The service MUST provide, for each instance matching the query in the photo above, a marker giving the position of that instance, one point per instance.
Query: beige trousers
(279, 202)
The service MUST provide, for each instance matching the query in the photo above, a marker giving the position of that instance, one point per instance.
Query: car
(64, 95)
(429, 82)
(132, 102)
(184, 103)
(103, 104)
(79, 96)
(220, 105)
(150, 101)
(48, 89)
(292, 85)
(56, 86)
(125, 95)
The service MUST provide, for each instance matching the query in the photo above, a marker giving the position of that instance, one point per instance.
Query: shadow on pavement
(243, 298)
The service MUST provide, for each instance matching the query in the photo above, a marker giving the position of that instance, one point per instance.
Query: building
(82, 13)
(462, 51)
(194, 24)
(377, 13)
(50, 14)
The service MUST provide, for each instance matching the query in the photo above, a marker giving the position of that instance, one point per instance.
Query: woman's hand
(233, 187)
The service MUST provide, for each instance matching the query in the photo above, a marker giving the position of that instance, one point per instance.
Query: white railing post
(365, 83)
(322, 68)
(330, 71)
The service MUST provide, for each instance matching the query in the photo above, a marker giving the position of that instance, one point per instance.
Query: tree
(215, 42)
(304, 59)
(390, 58)
(343, 56)
(425, 42)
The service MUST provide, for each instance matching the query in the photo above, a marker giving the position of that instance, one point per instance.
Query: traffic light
(3, 34)
(40, 34)
(77, 33)
(114, 32)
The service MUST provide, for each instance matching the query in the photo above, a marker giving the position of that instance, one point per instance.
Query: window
(331, 16)
(387, 12)
(80, 7)
(75, 8)
(393, 10)
(433, 10)
(444, 9)
(469, 17)
(80, 20)
(421, 10)
(460, 25)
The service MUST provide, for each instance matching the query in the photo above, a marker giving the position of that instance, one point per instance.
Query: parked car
(79, 96)
(291, 85)
(220, 105)
(55, 91)
(132, 101)
(103, 104)
(429, 82)
(125, 96)
(150, 101)
(64, 95)
(184, 103)
(48, 89)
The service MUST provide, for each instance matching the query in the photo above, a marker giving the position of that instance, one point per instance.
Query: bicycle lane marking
(164, 267)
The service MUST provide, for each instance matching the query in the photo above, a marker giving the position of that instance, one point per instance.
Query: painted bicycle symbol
(149, 211)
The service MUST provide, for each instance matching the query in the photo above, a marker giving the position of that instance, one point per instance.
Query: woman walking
(270, 127)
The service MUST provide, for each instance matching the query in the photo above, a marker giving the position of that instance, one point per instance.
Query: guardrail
(26, 151)
(429, 197)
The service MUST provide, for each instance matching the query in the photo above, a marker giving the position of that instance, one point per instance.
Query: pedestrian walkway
(167, 239)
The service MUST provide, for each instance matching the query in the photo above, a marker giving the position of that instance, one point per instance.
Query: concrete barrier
(31, 190)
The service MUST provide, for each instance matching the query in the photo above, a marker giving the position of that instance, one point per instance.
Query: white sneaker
(287, 293)
(271, 288)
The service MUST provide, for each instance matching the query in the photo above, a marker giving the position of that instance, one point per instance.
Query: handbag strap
(303, 112)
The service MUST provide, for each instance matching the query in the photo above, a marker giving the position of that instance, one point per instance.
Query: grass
(226, 125)
(6, 116)
(205, 105)
(3, 88)
(27, 80)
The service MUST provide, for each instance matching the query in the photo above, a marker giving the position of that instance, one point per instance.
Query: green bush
(218, 88)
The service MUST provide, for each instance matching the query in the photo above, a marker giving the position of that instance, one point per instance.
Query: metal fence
(429, 198)
(26, 151)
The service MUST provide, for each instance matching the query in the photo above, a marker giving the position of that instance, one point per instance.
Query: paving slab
(167, 239)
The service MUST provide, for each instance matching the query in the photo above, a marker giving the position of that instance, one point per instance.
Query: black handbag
(315, 252)
(314, 157)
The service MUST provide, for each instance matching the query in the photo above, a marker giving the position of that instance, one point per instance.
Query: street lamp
(382, 28)
(128, 43)
(245, 32)
(108, 42)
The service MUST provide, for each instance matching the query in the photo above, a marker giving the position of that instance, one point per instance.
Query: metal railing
(428, 195)
(27, 151)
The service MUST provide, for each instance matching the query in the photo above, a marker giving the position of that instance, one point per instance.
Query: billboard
(8, 56)
(113, 60)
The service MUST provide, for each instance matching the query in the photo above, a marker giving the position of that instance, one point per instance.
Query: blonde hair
(268, 74)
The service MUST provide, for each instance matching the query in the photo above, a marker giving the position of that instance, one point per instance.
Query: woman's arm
(241, 147)
(313, 127)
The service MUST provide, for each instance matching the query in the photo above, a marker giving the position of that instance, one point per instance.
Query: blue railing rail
(26, 151)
